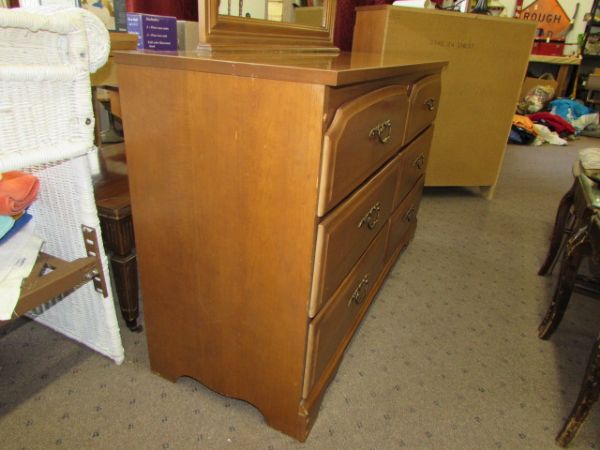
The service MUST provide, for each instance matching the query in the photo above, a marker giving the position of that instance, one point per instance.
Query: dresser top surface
(327, 69)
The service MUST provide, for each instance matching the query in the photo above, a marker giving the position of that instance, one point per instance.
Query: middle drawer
(346, 233)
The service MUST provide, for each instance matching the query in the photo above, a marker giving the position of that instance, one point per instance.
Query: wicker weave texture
(45, 60)
(46, 128)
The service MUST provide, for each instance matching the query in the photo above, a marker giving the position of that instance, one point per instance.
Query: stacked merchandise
(540, 119)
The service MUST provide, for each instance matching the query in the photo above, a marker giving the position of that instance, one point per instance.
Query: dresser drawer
(404, 219)
(331, 330)
(424, 102)
(344, 235)
(413, 165)
(365, 132)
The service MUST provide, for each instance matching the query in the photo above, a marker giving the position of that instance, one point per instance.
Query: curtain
(182, 9)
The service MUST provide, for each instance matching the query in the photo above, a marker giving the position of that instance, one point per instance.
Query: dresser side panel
(223, 177)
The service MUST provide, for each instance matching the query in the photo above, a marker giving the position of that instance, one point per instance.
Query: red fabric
(345, 18)
(182, 9)
(554, 122)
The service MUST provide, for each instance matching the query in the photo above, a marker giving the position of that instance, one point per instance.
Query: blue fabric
(568, 109)
(19, 223)
(6, 223)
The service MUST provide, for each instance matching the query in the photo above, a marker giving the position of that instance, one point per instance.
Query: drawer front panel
(365, 132)
(346, 233)
(424, 102)
(404, 218)
(413, 165)
(332, 329)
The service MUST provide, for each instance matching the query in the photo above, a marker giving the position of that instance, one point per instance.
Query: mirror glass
(300, 12)
(266, 25)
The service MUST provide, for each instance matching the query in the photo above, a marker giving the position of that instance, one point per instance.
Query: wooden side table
(112, 193)
(114, 210)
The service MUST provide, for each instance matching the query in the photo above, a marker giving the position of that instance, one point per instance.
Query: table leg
(588, 395)
(562, 79)
(126, 283)
(577, 246)
(558, 232)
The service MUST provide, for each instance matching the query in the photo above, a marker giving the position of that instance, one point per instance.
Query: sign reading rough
(551, 18)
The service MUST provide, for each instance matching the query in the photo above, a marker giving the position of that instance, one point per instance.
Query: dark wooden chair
(565, 222)
(582, 240)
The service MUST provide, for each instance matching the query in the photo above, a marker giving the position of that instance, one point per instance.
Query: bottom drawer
(331, 330)
(404, 219)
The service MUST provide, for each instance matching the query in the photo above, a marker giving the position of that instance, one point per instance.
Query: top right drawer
(424, 101)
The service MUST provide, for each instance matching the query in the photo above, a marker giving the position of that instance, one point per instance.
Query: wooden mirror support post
(243, 34)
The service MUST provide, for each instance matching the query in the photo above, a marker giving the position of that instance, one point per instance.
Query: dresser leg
(126, 283)
(297, 424)
(588, 395)
(559, 229)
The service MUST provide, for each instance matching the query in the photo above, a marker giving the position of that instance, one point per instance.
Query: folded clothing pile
(578, 115)
(18, 190)
(539, 128)
(19, 246)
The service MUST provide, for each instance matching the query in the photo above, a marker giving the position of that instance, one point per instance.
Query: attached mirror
(262, 25)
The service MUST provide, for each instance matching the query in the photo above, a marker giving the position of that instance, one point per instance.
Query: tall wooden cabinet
(271, 197)
(487, 61)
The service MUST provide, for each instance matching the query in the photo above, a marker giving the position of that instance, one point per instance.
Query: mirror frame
(232, 33)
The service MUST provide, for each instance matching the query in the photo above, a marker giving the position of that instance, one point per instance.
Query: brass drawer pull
(420, 161)
(383, 131)
(371, 218)
(360, 293)
(430, 104)
(410, 214)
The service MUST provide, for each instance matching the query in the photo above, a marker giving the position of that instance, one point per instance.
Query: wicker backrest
(45, 96)
(47, 129)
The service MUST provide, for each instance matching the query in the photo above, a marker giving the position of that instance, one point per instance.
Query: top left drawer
(365, 133)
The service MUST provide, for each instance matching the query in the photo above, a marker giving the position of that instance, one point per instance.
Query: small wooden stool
(114, 211)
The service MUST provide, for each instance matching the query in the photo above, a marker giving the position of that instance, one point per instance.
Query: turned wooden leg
(114, 211)
(558, 232)
(126, 283)
(576, 248)
(590, 388)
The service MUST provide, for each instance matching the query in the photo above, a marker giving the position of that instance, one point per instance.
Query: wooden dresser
(272, 195)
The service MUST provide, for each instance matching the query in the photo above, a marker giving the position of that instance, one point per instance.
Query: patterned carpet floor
(447, 358)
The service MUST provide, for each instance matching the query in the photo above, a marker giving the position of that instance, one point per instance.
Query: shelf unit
(591, 24)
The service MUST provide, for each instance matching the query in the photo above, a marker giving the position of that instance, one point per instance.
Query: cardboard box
(154, 32)
(593, 81)
(531, 82)
(187, 35)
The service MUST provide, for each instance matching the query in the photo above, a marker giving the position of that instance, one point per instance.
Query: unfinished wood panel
(488, 59)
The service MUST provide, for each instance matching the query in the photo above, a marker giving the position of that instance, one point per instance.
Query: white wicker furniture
(46, 128)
